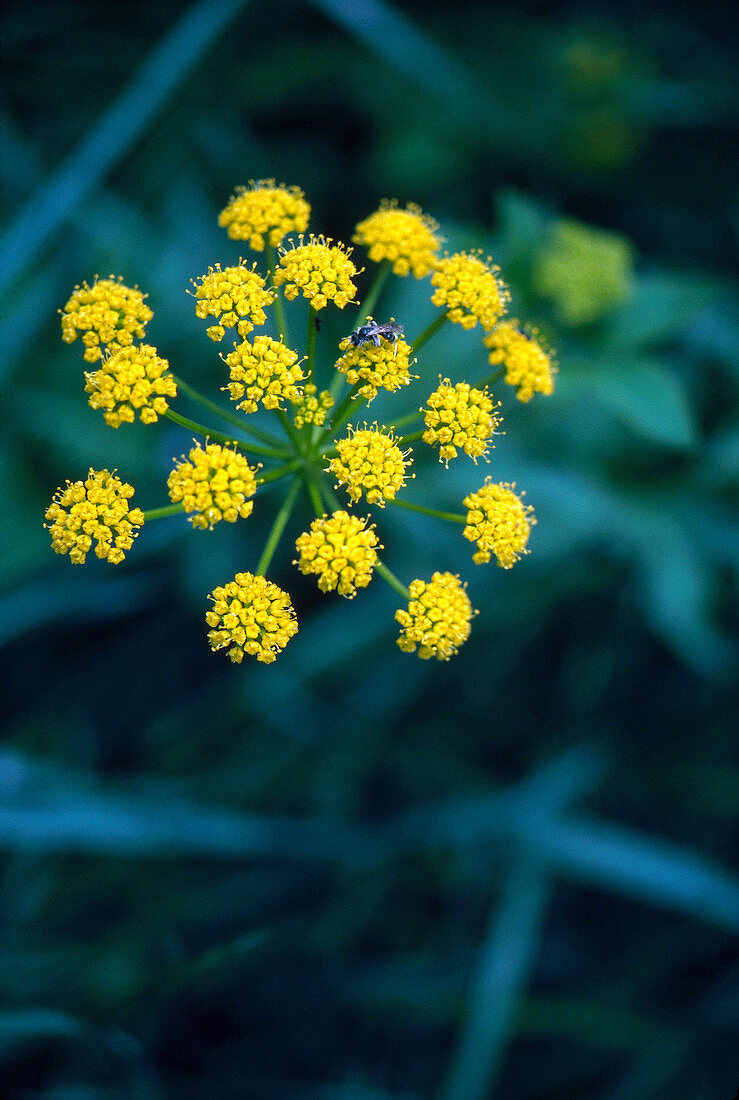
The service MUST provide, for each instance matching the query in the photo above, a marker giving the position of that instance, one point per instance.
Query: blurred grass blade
(116, 130)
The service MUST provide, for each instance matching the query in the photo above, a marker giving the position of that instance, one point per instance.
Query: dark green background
(291, 881)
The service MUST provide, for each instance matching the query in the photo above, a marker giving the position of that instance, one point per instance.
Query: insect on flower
(390, 331)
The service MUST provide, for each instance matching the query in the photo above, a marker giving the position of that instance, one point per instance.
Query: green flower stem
(427, 333)
(392, 580)
(375, 290)
(453, 517)
(165, 510)
(313, 480)
(492, 378)
(225, 414)
(345, 411)
(410, 418)
(310, 342)
(278, 527)
(281, 471)
(219, 437)
(336, 383)
(278, 303)
(290, 429)
(411, 437)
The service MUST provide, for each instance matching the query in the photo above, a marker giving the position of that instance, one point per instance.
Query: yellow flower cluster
(470, 289)
(438, 617)
(131, 380)
(215, 483)
(408, 238)
(528, 364)
(460, 416)
(369, 462)
(585, 272)
(264, 213)
(96, 509)
(235, 296)
(250, 615)
(264, 370)
(318, 270)
(386, 367)
(499, 522)
(341, 550)
(107, 313)
(311, 407)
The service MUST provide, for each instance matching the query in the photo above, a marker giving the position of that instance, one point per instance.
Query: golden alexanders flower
(499, 522)
(319, 270)
(235, 296)
(250, 615)
(460, 416)
(437, 621)
(369, 462)
(529, 365)
(341, 550)
(585, 272)
(311, 407)
(264, 213)
(131, 380)
(215, 483)
(386, 367)
(94, 510)
(264, 370)
(108, 313)
(408, 238)
(470, 289)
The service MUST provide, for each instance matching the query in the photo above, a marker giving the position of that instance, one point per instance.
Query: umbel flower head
(386, 367)
(369, 461)
(131, 380)
(408, 238)
(213, 483)
(264, 213)
(437, 621)
(499, 522)
(311, 407)
(250, 615)
(341, 550)
(319, 270)
(107, 314)
(235, 296)
(264, 370)
(585, 272)
(95, 510)
(460, 416)
(470, 289)
(529, 366)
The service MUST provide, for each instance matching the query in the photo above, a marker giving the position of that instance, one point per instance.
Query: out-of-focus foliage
(351, 875)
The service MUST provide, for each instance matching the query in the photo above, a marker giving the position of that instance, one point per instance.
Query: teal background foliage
(355, 875)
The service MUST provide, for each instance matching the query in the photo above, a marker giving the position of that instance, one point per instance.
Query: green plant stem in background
(278, 527)
(281, 471)
(279, 305)
(163, 512)
(219, 437)
(239, 422)
(429, 331)
(392, 580)
(452, 517)
(492, 378)
(376, 289)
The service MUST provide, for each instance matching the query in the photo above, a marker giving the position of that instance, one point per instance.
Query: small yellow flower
(130, 380)
(264, 213)
(585, 272)
(250, 615)
(371, 462)
(408, 238)
(438, 617)
(470, 289)
(320, 270)
(264, 370)
(529, 365)
(311, 407)
(95, 509)
(214, 483)
(340, 549)
(385, 367)
(235, 296)
(460, 416)
(499, 522)
(107, 313)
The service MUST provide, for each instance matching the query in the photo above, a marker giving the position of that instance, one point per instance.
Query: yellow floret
(311, 407)
(437, 621)
(250, 615)
(131, 380)
(319, 270)
(215, 483)
(264, 370)
(234, 296)
(386, 367)
(264, 213)
(460, 416)
(108, 313)
(340, 550)
(369, 462)
(96, 509)
(408, 238)
(499, 522)
(529, 366)
(470, 289)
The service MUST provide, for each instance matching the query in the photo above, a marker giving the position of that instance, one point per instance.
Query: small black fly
(371, 333)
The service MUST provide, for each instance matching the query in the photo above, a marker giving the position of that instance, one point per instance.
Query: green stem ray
(412, 437)
(429, 331)
(163, 512)
(278, 527)
(374, 292)
(278, 302)
(409, 418)
(225, 414)
(219, 437)
(392, 580)
(451, 517)
(492, 378)
(281, 471)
